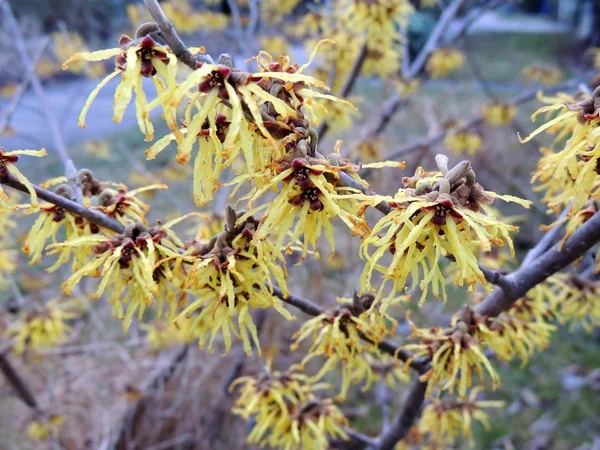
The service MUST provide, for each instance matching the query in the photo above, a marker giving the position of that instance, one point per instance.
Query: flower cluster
(231, 276)
(137, 267)
(463, 141)
(310, 194)
(7, 166)
(437, 214)
(267, 114)
(575, 167)
(337, 336)
(544, 75)
(497, 114)
(444, 61)
(42, 327)
(444, 421)
(52, 220)
(287, 413)
(524, 328)
(456, 354)
(576, 300)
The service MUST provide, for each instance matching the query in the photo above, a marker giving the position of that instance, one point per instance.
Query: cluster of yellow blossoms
(42, 327)
(287, 412)
(438, 214)
(444, 61)
(337, 336)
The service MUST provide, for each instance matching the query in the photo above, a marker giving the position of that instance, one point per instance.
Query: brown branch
(535, 272)
(314, 310)
(169, 34)
(407, 416)
(91, 215)
(18, 383)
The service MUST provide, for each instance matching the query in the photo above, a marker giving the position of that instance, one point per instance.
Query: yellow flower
(523, 329)
(463, 141)
(438, 214)
(8, 265)
(336, 335)
(388, 369)
(578, 160)
(133, 62)
(274, 11)
(276, 98)
(444, 421)
(51, 220)
(46, 68)
(97, 149)
(444, 61)
(42, 327)
(8, 90)
(406, 88)
(380, 19)
(576, 300)
(286, 412)
(44, 429)
(499, 114)
(546, 76)
(7, 166)
(124, 206)
(455, 354)
(275, 45)
(164, 333)
(309, 193)
(231, 276)
(137, 268)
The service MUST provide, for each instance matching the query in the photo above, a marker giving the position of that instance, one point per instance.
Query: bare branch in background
(349, 83)
(164, 368)
(18, 95)
(519, 99)
(18, 383)
(55, 132)
(395, 102)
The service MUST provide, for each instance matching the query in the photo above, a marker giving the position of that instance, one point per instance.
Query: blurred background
(110, 389)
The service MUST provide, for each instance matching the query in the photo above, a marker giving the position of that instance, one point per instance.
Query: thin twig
(395, 102)
(348, 84)
(18, 95)
(55, 132)
(164, 369)
(169, 34)
(18, 383)
(408, 414)
(434, 38)
(524, 97)
(314, 310)
(91, 215)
